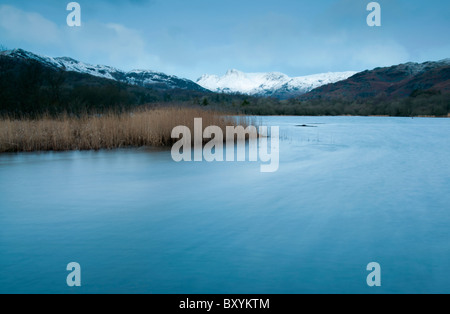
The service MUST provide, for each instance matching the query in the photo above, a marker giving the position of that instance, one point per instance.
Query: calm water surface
(349, 191)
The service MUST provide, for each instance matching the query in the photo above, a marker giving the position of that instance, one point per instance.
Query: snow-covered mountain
(269, 84)
(142, 78)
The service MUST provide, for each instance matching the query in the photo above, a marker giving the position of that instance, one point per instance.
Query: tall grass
(146, 127)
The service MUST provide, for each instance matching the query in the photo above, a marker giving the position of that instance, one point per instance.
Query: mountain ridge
(397, 81)
(268, 84)
(143, 78)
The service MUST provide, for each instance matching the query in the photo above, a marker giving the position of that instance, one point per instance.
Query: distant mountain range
(397, 81)
(271, 84)
(143, 78)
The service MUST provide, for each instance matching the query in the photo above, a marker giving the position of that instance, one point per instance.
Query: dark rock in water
(306, 126)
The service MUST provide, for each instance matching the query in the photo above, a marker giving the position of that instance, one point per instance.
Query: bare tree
(3, 48)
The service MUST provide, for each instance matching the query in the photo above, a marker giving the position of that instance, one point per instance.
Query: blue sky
(189, 38)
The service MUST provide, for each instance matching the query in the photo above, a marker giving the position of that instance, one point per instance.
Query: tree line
(29, 89)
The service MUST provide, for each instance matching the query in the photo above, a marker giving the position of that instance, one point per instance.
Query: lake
(349, 191)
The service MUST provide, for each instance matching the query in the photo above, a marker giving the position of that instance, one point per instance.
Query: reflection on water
(349, 191)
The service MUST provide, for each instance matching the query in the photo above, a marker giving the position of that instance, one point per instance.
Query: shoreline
(117, 132)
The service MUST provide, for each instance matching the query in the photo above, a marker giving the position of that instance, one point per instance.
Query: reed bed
(146, 127)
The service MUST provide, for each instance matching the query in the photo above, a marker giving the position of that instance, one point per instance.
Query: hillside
(393, 82)
(143, 78)
(30, 86)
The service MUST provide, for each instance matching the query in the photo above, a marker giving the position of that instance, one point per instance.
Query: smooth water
(349, 191)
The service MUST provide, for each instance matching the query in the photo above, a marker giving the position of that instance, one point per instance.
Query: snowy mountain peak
(64, 63)
(145, 78)
(268, 84)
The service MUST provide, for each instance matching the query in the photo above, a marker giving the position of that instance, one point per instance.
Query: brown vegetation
(146, 127)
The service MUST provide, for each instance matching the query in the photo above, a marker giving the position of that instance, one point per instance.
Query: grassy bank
(146, 127)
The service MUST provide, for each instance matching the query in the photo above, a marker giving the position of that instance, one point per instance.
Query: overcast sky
(189, 38)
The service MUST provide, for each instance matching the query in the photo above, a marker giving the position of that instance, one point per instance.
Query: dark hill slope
(398, 81)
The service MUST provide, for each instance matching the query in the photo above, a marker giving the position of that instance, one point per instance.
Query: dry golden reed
(146, 127)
